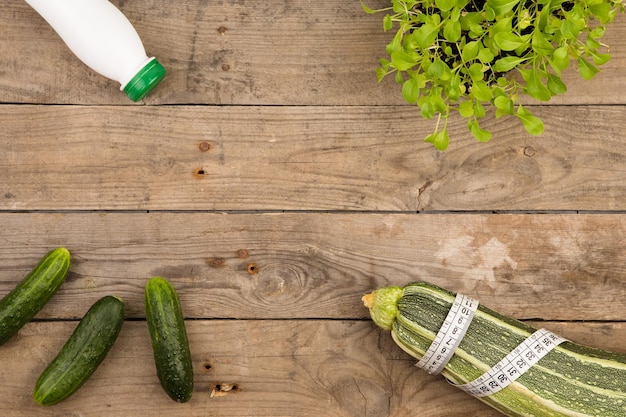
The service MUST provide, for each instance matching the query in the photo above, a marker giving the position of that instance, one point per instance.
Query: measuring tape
(514, 365)
(511, 367)
(450, 334)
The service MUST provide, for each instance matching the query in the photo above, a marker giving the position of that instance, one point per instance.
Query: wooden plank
(316, 265)
(232, 52)
(279, 368)
(304, 158)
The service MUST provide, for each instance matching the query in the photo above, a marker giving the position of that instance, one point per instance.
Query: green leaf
(432, 18)
(445, 5)
(540, 44)
(466, 109)
(385, 63)
(427, 109)
(453, 89)
(508, 41)
(481, 91)
(479, 133)
(556, 85)
(475, 71)
(602, 11)
(560, 58)
(504, 24)
(485, 56)
(597, 32)
(502, 7)
(592, 44)
(532, 123)
(399, 6)
(421, 79)
(507, 63)
(586, 69)
(472, 22)
(411, 90)
(441, 140)
(399, 78)
(479, 110)
(543, 18)
(470, 50)
(535, 87)
(437, 101)
(447, 72)
(525, 20)
(371, 11)
(380, 74)
(436, 69)
(452, 31)
(387, 23)
(569, 30)
(601, 59)
(455, 14)
(396, 43)
(504, 104)
(403, 61)
(426, 35)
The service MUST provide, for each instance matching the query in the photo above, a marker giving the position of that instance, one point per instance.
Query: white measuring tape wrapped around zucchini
(516, 369)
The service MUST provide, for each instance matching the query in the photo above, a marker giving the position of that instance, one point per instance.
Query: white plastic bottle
(101, 36)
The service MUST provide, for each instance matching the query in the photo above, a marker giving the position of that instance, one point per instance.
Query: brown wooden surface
(318, 265)
(304, 158)
(274, 182)
(280, 52)
(276, 367)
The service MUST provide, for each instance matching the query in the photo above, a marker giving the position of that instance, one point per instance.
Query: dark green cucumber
(169, 339)
(82, 353)
(20, 305)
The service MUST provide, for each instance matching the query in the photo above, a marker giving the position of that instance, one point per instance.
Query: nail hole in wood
(220, 390)
(252, 269)
(529, 151)
(216, 262)
(199, 172)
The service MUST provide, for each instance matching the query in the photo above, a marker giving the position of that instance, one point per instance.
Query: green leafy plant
(461, 55)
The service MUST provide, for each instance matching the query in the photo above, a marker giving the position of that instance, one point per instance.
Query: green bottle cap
(145, 80)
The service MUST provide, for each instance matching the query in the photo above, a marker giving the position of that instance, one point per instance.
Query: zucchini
(20, 305)
(82, 353)
(170, 345)
(571, 380)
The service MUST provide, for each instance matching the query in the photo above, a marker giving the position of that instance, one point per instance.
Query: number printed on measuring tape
(514, 365)
(450, 334)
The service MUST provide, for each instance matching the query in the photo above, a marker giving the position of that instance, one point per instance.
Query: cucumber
(170, 344)
(571, 380)
(83, 352)
(20, 305)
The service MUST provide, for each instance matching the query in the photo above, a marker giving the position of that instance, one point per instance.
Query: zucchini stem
(383, 305)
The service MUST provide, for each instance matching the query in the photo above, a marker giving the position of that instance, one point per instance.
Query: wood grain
(278, 52)
(304, 158)
(278, 368)
(274, 182)
(553, 267)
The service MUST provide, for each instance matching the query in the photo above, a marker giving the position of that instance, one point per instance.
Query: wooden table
(274, 182)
